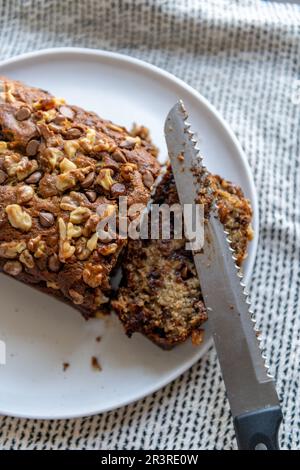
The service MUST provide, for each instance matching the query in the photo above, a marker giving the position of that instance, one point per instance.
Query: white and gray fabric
(244, 56)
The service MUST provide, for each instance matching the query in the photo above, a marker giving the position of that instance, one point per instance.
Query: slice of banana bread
(160, 295)
(57, 164)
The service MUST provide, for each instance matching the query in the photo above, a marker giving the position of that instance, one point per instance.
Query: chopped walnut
(65, 181)
(108, 249)
(53, 155)
(80, 215)
(77, 298)
(25, 167)
(24, 194)
(104, 178)
(66, 250)
(66, 165)
(53, 285)
(40, 249)
(91, 225)
(126, 170)
(73, 231)
(92, 242)
(93, 275)
(3, 146)
(14, 268)
(27, 259)
(11, 249)
(71, 147)
(18, 218)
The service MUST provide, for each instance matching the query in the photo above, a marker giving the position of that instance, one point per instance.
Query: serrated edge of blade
(245, 293)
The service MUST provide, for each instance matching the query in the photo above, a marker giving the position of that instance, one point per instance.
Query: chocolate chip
(54, 263)
(32, 147)
(46, 219)
(128, 143)
(118, 189)
(110, 163)
(23, 113)
(73, 133)
(34, 178)
(88, 180)
(59, 119)
(3, 176)
(118, 156)
(91, 195)
(67, 112)
(148, 179)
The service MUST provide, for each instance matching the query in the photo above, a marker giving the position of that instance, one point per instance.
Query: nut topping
(79, 215)
(66, 165)
(18, 218)
(92, 242)
(70, 147)
(3, 146)
(108, 249)
(65, 181)
(52, 285)
(104, 179)
(27, 259)
(77, 298)
(93, 275)
(46, 219)
(10, 250)
(73, 231)
(13, 268)
(24, 194)
(24, 168)
(66, 250)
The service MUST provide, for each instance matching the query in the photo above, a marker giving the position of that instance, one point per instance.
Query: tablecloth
(244, 56)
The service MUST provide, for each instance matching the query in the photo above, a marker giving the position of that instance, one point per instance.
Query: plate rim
(150, 68)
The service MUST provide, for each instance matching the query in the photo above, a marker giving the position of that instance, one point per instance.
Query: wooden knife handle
(258, 430)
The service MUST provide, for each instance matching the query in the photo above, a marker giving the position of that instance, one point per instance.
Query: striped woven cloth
(244, 56)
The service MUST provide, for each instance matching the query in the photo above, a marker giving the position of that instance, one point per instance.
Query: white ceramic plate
(41, 333)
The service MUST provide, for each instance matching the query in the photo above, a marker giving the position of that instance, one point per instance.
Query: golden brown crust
(161, 296)
(57, 164)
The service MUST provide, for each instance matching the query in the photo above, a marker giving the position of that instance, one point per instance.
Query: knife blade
(250, 389)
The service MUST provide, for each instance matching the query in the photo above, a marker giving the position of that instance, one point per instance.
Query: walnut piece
(14, 268)
(10, 250)
(27, 259)
(93, 275)
(104, 178)
(18, 218)
(80, 215)
(24, 194)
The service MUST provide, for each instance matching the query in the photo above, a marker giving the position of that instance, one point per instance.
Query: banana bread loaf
(160, 295)
(57, 164)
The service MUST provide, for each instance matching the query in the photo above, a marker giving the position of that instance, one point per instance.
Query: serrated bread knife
(250, 389)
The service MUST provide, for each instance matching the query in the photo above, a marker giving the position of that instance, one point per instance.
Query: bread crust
(58, 162)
